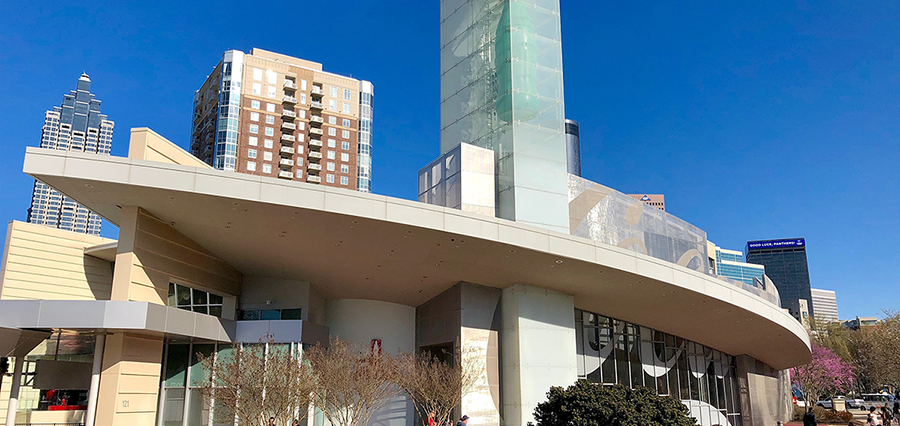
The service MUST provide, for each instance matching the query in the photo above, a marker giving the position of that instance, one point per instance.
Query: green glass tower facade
(502, 89)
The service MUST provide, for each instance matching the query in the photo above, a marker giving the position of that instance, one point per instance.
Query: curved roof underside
(355, 245)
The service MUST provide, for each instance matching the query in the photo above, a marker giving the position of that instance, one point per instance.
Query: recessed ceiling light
(88, 185)
(355, 221)
(558, 261)
(512, 251)
(236, 204)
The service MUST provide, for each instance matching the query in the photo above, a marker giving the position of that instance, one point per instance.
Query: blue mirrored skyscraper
(76, 125)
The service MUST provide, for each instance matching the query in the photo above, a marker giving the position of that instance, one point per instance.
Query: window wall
(180, 400)
(611, 351)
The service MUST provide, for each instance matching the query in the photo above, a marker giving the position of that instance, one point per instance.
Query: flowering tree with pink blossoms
(827, 372)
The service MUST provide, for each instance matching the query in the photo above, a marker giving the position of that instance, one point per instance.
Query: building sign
(794, 242)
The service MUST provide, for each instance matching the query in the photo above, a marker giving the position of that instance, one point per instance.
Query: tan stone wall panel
(48, 263)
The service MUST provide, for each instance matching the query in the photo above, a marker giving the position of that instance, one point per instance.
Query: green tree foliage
(589, 404)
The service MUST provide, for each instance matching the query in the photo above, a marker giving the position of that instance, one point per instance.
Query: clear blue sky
(764, 120)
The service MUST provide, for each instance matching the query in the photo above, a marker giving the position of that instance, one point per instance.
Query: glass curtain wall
(501, 89)
(228, 122)
(180, 401)
(611, 351)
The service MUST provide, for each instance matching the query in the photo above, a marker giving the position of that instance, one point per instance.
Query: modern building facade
(269, 114)
(730, 264)
(462, 179)
(824, 304)
(785, 263)
(76, 125)
(655, 200)
(540, 308)
(502, 89)
(573, 147)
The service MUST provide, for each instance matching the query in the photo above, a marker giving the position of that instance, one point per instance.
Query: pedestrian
(271, 421)
(431, 420)
(295, 423)
(809, 419)
(897, 412)
(872, 418)
(886, 417)
(463, 421)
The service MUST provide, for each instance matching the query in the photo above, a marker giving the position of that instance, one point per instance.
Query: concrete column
(95, 381)
(14, 391)
(537, 335)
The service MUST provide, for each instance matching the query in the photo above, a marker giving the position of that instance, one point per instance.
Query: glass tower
(785, 263)
(364, 148)
(76, 125)
(502, 89)
(730, 264)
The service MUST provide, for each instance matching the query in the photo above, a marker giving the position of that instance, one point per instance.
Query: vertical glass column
(364, 148)
(501, 89)
(228, 120)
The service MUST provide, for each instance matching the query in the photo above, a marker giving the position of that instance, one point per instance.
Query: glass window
(301, 125)
(270, 314)
(346, 122)
(190, 299)
(290, 314)
(271, 91)
(332, 131)
(302, 99)
(254, 116)
(330, 155)
(345, 134)
(176, 365)
(332, 120)
(267, 156)
(254, 104)
(268, 143)
(299, 172)
(299, 161)
(346, 108)
(332, 105)
(267, 168)
(257, 88)
(329, 167)
(347, 94)
(301, 113)
(332, 143)
(271, 77)
(198, 373)
(345, 168)
(302, 84)
(334, 91)
(270, 107)
(257, 74)
(251, 153)
(270, 131)
(345, 156)
(344, 180)
(329, 178)
(254, 128)
(345, 145)
(270, 119)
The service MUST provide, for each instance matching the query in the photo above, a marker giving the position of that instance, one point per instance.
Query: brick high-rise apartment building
(269, 114)
(76, 125)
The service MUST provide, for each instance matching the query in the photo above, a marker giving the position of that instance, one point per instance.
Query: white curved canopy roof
(355, 245)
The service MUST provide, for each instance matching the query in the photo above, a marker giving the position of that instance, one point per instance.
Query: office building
(269, 114)
(730, 264)
(502, 89)
(462, 179)
(573, 147)
(538, 308)
(785, 263)
(824, 303)
(76, 125)
(655, 200)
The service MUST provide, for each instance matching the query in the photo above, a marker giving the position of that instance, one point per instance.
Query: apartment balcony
(288, 125)
(313, 178)
(317, 143)
(316, 155)
(316, 105)
(317, 90)
(288, 113)
(288, 150)
(290, 85)
(289, 138)
(314, 167)
(289, 99)
(316, 119)
(286, 162)
(315, 131)
(286, 174)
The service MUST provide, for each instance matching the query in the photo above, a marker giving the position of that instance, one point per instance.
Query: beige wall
(151, 254)
(48, 263)
(148, 145)
(765, 392)
(129, 382)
